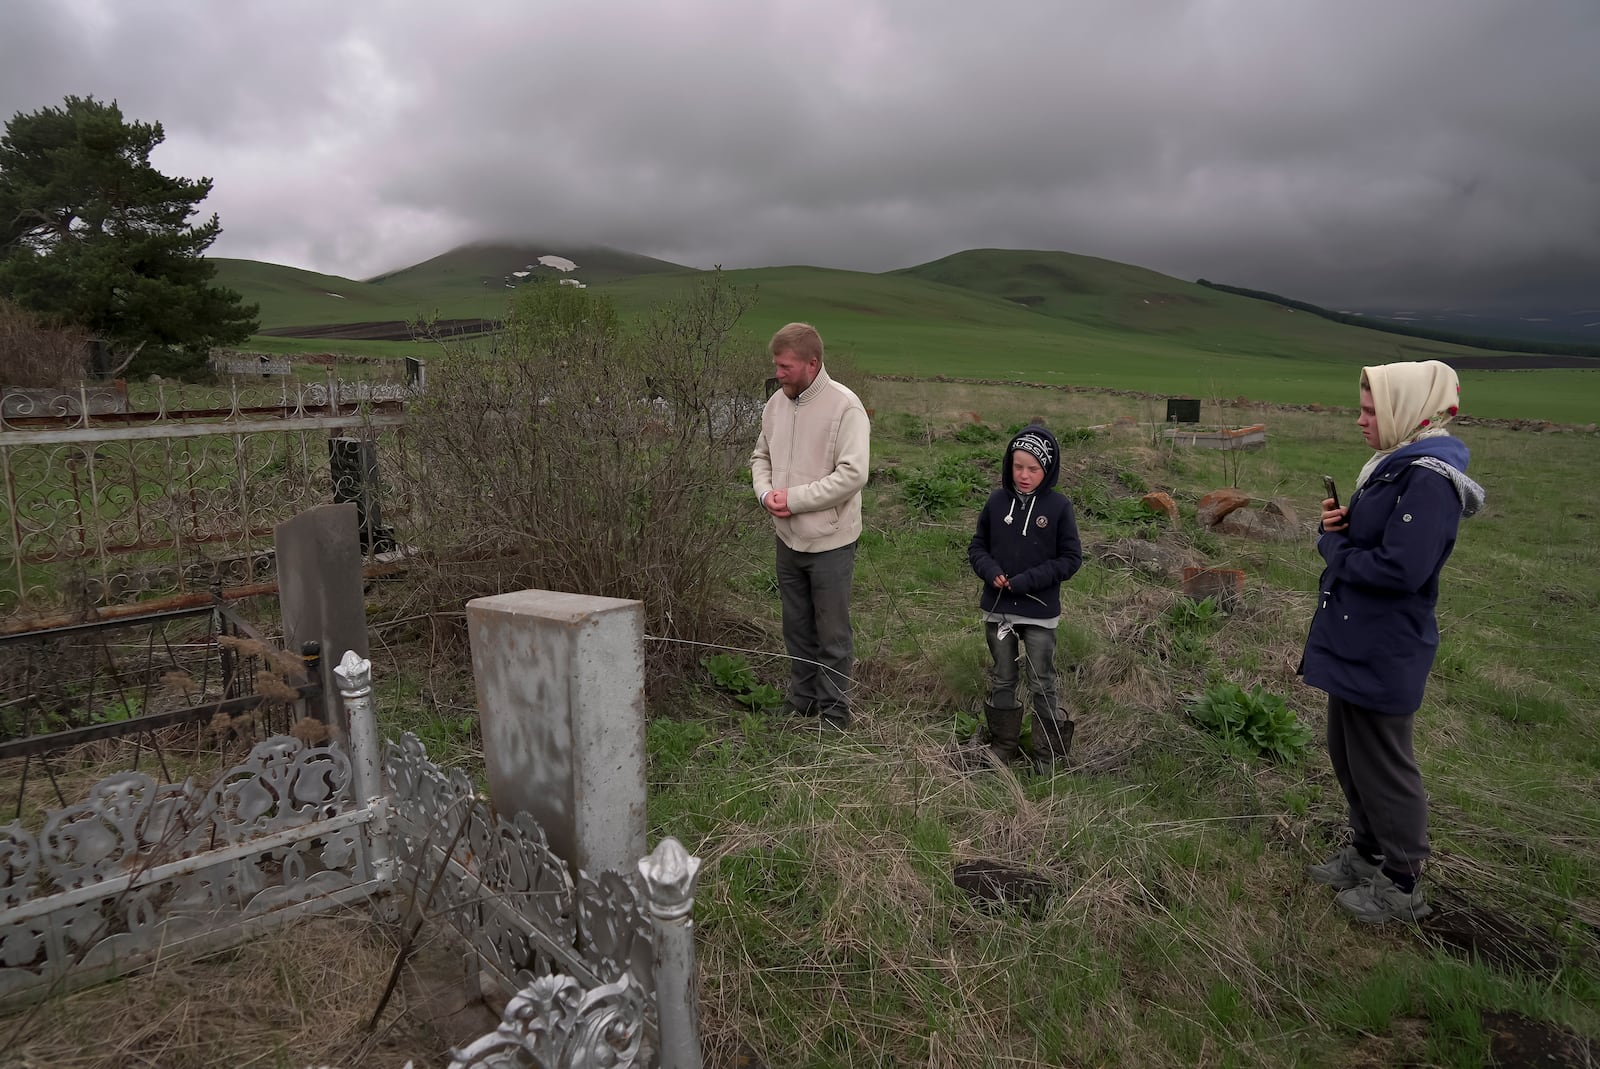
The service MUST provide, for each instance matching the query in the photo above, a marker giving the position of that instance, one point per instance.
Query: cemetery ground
(1171, 923)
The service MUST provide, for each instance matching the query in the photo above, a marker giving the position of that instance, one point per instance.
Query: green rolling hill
(288, 295)
(475, 265)
(1039, 316)
(468, 282)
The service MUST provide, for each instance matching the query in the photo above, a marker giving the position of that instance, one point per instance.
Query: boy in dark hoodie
(1025, 547)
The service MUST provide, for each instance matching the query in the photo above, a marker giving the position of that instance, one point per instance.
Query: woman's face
(1369, 419)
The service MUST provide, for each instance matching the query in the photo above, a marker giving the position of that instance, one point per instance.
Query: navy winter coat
(1037, 550)
(1374, 635)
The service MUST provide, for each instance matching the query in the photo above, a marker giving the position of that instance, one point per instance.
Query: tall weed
(574, 453)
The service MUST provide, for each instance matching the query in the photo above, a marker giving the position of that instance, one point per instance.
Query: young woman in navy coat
(1374, 635)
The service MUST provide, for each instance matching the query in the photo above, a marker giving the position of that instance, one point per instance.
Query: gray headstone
(320, 591)
(561, 703)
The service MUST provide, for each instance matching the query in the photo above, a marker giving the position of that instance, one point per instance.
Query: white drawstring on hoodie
(1031, 499)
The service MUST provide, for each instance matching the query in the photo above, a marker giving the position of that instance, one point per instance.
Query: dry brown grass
(298, 996)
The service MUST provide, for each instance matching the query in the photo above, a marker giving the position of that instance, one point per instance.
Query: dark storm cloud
(1436, 151)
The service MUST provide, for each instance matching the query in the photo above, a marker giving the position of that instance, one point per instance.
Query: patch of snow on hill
(560, 263)
(330, 293)
(520, 274)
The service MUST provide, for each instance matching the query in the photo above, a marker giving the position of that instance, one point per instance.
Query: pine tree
(92, 235)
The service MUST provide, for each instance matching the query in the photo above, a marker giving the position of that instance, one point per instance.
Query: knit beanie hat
(1036, 445)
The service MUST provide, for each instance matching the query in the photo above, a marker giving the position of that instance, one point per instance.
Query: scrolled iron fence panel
(100, 510)
(503, 889)
(140, 868)
(557, 1023)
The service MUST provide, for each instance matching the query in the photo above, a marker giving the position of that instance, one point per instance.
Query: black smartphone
(1333, 491)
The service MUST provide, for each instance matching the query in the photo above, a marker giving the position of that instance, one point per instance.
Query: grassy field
(1086, 322)
(1186, 341)
(1178, 929)
(1181, 930)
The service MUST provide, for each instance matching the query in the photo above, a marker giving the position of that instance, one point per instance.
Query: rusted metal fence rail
(106, 509)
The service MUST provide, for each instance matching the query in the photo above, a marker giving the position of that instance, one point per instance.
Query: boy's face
(1026, 474)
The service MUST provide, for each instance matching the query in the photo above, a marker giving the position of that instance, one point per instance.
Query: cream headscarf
(1413, 401)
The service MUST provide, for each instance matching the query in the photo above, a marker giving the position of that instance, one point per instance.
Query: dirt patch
(1487, 934)
(1518, 1042)
(996, 885)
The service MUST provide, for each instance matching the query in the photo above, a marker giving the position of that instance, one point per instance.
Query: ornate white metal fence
(141, 869)
(99, 509)
(599, 968)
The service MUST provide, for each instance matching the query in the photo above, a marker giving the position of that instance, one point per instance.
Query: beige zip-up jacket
(818, 448)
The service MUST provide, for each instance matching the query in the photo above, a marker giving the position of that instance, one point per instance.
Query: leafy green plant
(116, 712)
(730, 671)
(955, 482)
(760, 698)
(1096, 501)
(1072, 436)
(1254, 722)
(733, 673)
(1190, 615)
(977, 434)
(934, 495)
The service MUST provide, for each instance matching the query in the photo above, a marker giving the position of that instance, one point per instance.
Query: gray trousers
(1377, 770)
(1039, 646)
(815, 591)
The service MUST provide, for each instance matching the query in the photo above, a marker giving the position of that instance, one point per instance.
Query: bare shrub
(33, 353)
(573, 453)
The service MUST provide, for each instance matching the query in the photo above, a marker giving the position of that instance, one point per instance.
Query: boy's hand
(1002, 583)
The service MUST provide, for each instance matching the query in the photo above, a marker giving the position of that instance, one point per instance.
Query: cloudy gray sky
(1358, 151)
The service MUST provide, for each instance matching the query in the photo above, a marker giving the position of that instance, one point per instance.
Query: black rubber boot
(1005, 732)
(1051, 742)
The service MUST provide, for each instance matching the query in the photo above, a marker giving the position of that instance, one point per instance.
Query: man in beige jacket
(809, 466)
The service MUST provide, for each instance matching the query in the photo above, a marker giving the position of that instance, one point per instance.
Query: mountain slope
(1108, 296)
(487, 265)
(1084, 321)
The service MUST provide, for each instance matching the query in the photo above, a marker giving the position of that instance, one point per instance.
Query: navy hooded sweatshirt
(1374, 635)
(1032, 539)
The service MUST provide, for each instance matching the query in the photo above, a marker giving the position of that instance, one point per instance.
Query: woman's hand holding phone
(1333, 514)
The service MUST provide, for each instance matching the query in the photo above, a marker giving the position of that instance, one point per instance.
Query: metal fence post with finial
(669, 879)
(354, 675)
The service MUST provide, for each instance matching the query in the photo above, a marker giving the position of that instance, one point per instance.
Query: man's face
(794, 373)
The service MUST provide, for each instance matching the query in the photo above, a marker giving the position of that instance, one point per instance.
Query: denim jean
(1038, 644)
(815, 591)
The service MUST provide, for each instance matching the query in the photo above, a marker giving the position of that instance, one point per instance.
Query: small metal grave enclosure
(599, 968)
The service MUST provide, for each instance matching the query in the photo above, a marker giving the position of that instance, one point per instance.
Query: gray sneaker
(1378, 901)
(1344, 870)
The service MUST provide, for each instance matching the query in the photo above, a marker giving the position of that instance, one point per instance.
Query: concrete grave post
(561, 703)
(320, 592)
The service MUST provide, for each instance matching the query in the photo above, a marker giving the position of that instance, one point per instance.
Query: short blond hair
(801, 339)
